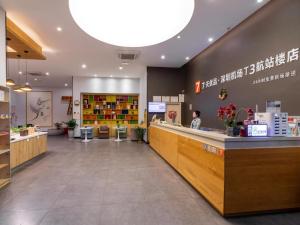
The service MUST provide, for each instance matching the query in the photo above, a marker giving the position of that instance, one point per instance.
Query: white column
(2, 47)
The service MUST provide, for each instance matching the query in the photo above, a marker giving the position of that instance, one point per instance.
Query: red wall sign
(198, 87)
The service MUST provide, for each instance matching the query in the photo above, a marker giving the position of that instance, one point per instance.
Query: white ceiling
(66, 51)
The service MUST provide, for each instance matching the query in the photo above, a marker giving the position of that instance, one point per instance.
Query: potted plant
(71, 125)
(229, 115)
(140, 134)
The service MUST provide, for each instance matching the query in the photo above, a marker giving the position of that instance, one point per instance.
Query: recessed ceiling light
(101, 20)
(59, 29)
(120, 67)
(163, 57)
(111, 75)
(259, 1)
(210, 39)
(20, 72)
(187, 58)
(83, 66)
(95, 75)
(178, 37)
(66, 85)
(35, 79)
(47, 73)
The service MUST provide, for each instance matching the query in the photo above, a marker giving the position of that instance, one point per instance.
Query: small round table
(118, 131)
(85, 129)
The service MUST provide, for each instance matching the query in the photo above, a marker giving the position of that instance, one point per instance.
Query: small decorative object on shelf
(229, 115)
(23, 132)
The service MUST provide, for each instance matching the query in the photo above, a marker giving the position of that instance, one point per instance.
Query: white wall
(84, 85)
(110, 86)
(143, 96)
(2, 48)
(18, 100)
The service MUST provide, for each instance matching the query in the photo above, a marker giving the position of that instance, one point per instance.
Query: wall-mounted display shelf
(109, 109)
(4, 137)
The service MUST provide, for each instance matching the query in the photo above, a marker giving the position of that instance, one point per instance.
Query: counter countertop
(223, 141)
(17, 137)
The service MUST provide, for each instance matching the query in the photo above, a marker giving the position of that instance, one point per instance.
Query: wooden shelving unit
(3, 166)
(109, 109)
(4, 137)
(4, 151)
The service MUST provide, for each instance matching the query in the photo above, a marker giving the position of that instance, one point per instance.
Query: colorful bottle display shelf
(109, 109)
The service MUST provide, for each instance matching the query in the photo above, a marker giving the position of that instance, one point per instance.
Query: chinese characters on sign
(260, 66)
(271, 78)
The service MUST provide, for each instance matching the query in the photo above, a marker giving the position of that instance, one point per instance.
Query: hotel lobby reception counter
(23, 149)
(236, 175)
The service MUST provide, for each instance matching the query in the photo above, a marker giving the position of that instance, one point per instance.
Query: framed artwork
(39, 108)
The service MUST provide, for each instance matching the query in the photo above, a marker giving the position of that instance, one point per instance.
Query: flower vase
(173, 120)
(232, 131)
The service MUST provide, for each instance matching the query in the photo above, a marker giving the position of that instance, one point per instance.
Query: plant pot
(23, 132)
(233, 131)
(70, 132)
(140, 141)
(140, 134)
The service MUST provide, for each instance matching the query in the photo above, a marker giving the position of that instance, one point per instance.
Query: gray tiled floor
(106, 183)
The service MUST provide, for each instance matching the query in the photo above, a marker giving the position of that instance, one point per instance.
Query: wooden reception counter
(236, 175)
(23, 149)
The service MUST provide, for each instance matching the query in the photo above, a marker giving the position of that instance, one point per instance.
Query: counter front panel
(194, 163)
(235, 181)
(26, 148)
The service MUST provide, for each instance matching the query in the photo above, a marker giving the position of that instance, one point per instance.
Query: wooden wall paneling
(16, 154)
(43, 143)
(168, 147)
(154, 138)
(262, 180)
(40, 144)
(235, 181)
(30, 148)
(25, 150)
(204, 170)
(36, 146)
(13, 154)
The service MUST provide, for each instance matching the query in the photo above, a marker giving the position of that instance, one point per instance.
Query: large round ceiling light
(132, 23)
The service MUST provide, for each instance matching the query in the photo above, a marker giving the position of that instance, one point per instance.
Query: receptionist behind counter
(196, 122)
